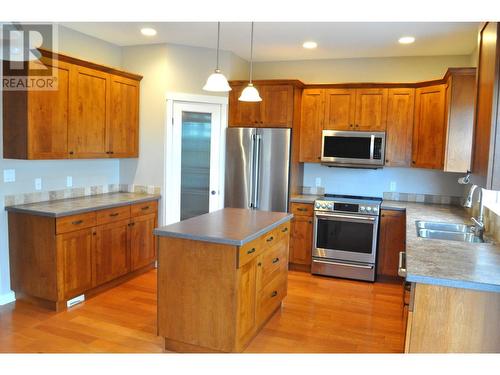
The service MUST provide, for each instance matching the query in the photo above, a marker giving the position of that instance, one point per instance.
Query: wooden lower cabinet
(392, 240)
(215, 297)
(301, 241)
(56, 259)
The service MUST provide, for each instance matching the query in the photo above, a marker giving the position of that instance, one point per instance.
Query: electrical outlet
(69, 181)
(9, 175)
(318, 181)
(392, 186)
(38, 183)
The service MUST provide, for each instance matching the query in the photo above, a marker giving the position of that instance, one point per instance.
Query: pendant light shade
(250, 93)
(217, 82)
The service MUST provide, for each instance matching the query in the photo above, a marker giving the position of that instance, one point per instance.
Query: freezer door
(272, 169)
(239, 167)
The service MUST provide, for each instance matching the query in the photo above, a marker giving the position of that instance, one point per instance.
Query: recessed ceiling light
(148, 31)
(310, 45)
(406, 40)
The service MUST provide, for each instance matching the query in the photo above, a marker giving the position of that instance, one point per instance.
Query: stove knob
(369, 209)
(323, 206)
(330, 206)
(375, 209)
(318, 205)
(362, 208)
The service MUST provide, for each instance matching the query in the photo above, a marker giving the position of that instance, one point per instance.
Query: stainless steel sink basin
(451, 236)
(443, 227)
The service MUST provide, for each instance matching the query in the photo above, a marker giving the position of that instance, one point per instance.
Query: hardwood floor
(319, 315)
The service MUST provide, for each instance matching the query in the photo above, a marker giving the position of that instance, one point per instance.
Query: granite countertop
(231, 226)
(305, 198)
(447, 263)
(72, 206)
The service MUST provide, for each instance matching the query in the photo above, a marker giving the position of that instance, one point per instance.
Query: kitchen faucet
(479, 221)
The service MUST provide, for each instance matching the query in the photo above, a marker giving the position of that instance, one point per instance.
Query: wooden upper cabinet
(274, 111)
(399, 132)
(429, 130)
(123, 139)
(277, 106)
(92, 113)
(311, 125)
(88, 128)
(340, 109)
(371, 109)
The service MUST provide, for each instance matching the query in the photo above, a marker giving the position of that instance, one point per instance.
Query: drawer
(144, 208)
(272, 263)
(249, 251)
(270, 297)
(302, 209)
(75, 222)
(113, 214)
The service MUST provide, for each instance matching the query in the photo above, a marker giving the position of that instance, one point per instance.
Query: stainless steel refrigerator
(257, 168)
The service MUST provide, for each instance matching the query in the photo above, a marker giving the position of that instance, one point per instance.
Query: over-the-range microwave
(353, 149)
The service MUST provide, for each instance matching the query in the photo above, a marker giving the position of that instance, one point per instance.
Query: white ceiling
(277, 41)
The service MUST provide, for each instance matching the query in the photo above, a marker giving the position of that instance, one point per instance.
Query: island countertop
(231, 226)
(447, 263)
(72, 206)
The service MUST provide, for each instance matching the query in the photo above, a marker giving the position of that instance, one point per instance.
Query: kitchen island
(221, 276)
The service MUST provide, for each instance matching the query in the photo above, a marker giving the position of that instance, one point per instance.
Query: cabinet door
(429, 127)
(400, 107)
(74, 259)
(142, 241)
(371, 109)
(246, 308)
(301, 240)
(277, 106)
(88, 125)
(48, 114)
(111, 251)
(243, 113)
(392, 240)
(311, 125)
(124, 117)
(340, 107)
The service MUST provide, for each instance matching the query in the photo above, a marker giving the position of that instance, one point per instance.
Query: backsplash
(41, 196)
(423, 198)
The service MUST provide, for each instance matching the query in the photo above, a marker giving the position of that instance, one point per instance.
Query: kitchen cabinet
(311, 125)
(81, 253)
(399, 132)
(486, 149)
(392, 240)
(92, 113)
(356, 109)
(275, 110)
(429, 131)
(301, 240)
(228, 292)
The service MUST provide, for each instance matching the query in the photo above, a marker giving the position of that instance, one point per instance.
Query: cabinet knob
(270, 239)
(310, 222)
(284, 230)
(274, 293)
(413, 161)
(276, 260)
(71, 152)
(387, 160)
(252, 250)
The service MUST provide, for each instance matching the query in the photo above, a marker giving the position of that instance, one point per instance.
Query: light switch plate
(318, 181)
(9, 175)
(392, 186)
(38, 183)
(69, 181)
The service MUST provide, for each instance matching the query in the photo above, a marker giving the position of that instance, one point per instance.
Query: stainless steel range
(345, 236)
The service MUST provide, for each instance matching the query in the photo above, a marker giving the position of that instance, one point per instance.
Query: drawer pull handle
(252, 250)
(284, 230)
(276, 260)
(77, 222)
(114, 214)
(274, 293)
(302, 209)
(145, 208)
(270, 239)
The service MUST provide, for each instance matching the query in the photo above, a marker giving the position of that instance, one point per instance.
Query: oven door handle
(343, 264)
(349, 217)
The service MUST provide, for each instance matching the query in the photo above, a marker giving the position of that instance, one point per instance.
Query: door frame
(171, 180)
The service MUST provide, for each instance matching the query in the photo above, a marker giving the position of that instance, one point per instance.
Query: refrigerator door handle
(255, 182)
(252, 172)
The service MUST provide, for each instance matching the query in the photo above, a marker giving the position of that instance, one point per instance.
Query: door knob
(213, 192)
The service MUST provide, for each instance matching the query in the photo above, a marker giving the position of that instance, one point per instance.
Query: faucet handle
(478, 223)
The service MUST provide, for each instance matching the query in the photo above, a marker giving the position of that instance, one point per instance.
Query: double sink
(447, 231)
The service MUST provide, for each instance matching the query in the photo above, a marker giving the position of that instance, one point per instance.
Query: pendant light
(217, 81)
(250, 93)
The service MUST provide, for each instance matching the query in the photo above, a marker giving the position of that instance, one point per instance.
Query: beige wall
(167, 68)
(390, 69)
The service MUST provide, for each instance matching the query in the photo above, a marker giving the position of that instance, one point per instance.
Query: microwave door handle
(372, 146)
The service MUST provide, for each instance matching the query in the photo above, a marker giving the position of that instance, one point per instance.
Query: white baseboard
(7, 298)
